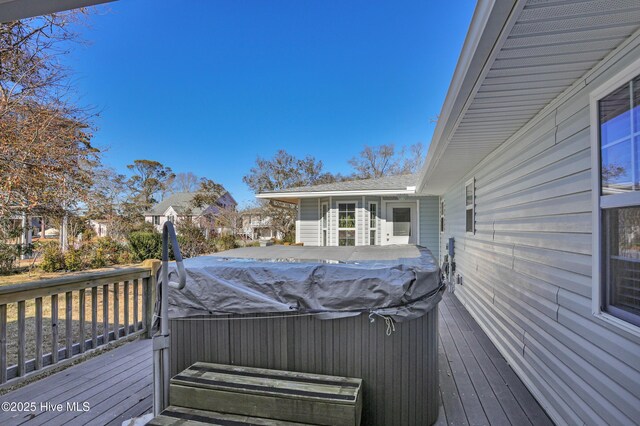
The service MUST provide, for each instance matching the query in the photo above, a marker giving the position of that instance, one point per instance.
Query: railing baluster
(81, 314)
(136, 282)
(68, 324)
(21, 338)
(116, 311)
(3, 343)
(54, 329)
(126, 308)
(94, 317)
(105, 314)
(144, 303)
(38, 360)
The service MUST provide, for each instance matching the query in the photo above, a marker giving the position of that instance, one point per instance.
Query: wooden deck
(477, 386)
(116, 384)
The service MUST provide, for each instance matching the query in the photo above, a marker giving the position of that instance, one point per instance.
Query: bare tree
(185, 182)
(386, 160)
(46, 156)
(280, 172)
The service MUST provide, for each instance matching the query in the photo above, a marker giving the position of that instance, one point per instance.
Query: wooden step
(271, 394)
(190, 417)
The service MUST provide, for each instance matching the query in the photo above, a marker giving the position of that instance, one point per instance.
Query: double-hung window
(470, 205)
(346, 224)
(616, 145)
(324, 223)
(373, 223)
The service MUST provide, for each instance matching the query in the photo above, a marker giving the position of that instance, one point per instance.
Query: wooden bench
(269, 394)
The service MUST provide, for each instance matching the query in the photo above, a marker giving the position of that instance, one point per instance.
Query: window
(401, 217)
(347, 224)
(373, 223)
(618, 120)
(442, 216)
(470, 202)
(324, 219)
(171, 219)
(156, 220)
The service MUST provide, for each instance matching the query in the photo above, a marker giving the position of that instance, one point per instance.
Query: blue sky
(206, 86)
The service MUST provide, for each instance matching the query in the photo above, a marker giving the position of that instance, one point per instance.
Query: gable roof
(400, 184)
(180, 202)
(517, 58)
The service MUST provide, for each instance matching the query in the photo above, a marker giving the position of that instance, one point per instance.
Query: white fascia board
(13, 10)
(409, 191)
(487, 28)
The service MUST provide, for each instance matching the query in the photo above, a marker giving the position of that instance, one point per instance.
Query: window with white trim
(441, 216)
(346, 224)
(373, 223)
(324, 223)
(618, 115)
(470, 205)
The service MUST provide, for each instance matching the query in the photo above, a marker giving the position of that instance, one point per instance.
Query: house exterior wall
(308, 223)
(428, 223)
(526, 272)
(309, 229)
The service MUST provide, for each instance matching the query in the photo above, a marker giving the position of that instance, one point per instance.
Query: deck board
(477, 386)
(115, 382)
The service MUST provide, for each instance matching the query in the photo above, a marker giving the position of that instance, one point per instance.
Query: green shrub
(145, 245)
(107, 251)
(8, 256)
(226, 242)
(74, 259)
(192, 240)
(52, 256)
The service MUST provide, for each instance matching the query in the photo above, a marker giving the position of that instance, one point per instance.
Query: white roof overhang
(293, 197)
(12, 10)
(519, 55)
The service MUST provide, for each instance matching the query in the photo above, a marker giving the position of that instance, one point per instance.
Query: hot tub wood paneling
(399, 372)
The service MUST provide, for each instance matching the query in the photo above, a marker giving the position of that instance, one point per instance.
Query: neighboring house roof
(517, 58)
(180, 202)
(400, 184)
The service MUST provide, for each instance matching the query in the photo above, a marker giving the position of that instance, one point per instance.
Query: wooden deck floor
(477, 386)
(116, 384)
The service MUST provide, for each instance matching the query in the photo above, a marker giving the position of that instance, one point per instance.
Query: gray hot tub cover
(403, 289)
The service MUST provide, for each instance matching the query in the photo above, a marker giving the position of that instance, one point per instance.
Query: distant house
(100, 227)
(379, 211)
(256, 226)
(179, 206)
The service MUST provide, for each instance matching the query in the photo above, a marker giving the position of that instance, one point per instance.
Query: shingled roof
(180, 201)
(399, 182)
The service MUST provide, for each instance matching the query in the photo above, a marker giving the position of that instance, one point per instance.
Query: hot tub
(365, 312)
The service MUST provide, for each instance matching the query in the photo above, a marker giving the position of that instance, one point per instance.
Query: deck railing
(47, 322)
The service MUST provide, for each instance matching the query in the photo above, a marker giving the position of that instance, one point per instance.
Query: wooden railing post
(149, 294)
(3, 343)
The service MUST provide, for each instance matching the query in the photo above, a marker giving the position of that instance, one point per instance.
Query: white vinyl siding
(429, 236)
(527, 270)
(308, 223)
